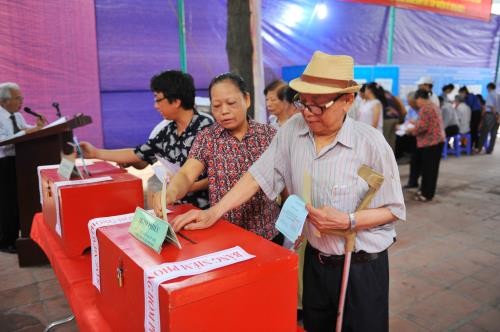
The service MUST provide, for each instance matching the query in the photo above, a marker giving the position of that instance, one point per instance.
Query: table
(75, 278)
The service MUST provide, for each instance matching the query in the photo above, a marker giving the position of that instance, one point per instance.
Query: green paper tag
(152, 231)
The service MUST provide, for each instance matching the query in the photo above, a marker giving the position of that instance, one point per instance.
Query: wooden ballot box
(259, 294)
(67, 208)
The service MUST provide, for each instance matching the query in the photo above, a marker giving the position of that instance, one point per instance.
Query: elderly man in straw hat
(323, 146)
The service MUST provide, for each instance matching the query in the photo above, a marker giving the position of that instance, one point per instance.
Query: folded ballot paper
(404, 128)
(292, 217)
(165, 170)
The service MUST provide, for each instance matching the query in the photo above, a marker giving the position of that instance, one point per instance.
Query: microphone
(29, 111)
(56, 106)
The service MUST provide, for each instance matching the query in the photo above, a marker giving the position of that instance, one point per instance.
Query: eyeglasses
(314, 109)
(159, 100)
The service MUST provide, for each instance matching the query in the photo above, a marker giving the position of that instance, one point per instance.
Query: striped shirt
(335, 181)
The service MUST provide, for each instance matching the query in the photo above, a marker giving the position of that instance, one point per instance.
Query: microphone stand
(58, 111)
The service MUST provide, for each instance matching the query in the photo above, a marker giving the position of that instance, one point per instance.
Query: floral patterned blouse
(226, 159)
(175, 148)
(429, 129)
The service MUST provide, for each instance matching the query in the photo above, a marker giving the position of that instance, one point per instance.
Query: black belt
(356, 257)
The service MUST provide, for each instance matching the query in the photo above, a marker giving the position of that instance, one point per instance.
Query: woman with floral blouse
(429, 133)
(226, 150)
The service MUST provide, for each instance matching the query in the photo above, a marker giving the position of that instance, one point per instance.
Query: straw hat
(326, 74)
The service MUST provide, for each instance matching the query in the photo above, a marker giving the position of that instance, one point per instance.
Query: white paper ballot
(404, 128)
(165, 170)
(292, 217)
(56, 122)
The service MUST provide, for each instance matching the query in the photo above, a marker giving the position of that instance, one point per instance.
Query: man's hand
(89, 151)
(327, 218)
(41, 122)
(194, 219)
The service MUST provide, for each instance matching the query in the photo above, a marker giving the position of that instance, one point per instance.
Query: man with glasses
(330, 147)
(174, 95)
(11, 123)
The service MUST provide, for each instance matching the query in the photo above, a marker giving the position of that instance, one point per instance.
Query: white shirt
(354, 110)
(435, 100)
(463, 115)
(365, 113)
(7, 130)
(335, 180)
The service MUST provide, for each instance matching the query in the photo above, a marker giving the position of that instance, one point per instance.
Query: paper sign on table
(151, 230)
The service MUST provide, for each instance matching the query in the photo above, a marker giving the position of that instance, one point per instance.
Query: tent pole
(498, 63)
(392, 21)
(182, 35)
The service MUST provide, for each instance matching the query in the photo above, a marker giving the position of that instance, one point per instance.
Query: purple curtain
(49, 48)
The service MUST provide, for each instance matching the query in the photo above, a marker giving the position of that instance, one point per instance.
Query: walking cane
(374, 180)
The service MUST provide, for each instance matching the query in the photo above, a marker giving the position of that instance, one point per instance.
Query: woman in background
(276, 104)
(430, 136)
(371, 111)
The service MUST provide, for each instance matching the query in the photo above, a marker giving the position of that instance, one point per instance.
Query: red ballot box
(68, 208)
(259, 294)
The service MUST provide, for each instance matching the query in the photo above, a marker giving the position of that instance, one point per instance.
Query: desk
(75, 278)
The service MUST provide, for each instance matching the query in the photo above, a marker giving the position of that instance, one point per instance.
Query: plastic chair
(468, 144)
(457, 148)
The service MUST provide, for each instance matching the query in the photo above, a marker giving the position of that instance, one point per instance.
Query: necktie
(14, 124)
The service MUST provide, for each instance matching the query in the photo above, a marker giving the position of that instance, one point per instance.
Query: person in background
(289, 98)
(371, 111)
(450, 118)
(463, 114)
(489, 120)
(12, 123)
(394, 113)
(276, 104)
(331, 147)
(358, 101)
(426, 83)
(446, 90)
(409, 143)
(475, 106)
(225, 151)
(174, 94)
(430, 136)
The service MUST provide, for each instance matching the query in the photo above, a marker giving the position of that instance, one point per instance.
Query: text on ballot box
(69, 205)
(258, 294)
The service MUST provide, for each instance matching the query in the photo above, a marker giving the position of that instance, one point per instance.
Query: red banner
(476, 9)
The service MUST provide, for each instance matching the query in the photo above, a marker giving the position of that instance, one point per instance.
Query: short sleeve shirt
(429, 127)
(335, 180)
(175, 148)
(226, 159)
(7, 130)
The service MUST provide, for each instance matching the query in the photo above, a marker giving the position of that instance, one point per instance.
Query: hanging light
(293, 15)
(321, 10)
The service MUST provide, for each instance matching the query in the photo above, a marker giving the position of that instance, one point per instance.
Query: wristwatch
(352, 220)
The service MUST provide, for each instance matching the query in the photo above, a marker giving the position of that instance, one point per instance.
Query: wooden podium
(43, 147)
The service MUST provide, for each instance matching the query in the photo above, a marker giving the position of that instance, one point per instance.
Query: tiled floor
(445, 265)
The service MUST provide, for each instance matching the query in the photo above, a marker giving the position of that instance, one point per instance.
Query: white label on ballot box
(156, 275)
(55, 194)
